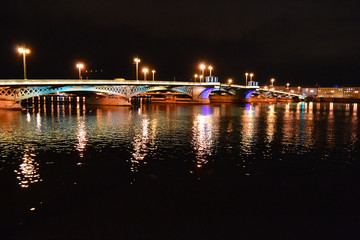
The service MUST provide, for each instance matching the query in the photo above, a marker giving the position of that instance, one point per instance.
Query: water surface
(287, 171)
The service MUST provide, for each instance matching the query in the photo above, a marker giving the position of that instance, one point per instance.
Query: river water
(163, 171)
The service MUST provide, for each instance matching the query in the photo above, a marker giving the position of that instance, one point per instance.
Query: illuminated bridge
(272, 92)
(14, 90)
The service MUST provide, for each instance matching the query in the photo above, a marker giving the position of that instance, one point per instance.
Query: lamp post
(200, 77)
(80, 66)
(195, 76)
(24, 51)
(287, 86)
(299, 88)
(246, 76)
(210, 68)
(137, 60)
(145, 70)
(251, 76)
(202, 67)
(230, 81)
(153, 74)
(272, 81)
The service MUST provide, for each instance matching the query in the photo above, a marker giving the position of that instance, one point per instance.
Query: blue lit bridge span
(13, 91)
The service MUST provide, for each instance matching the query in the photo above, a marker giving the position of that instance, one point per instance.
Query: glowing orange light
(23, 50)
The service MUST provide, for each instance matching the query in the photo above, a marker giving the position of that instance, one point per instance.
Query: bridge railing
(117, 81)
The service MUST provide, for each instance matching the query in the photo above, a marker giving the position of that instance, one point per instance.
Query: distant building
(339, 92)
(323, 92)
(332, 92)
(352, 92)
(309, 92)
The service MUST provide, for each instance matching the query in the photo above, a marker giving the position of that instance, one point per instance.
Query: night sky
(302, 42)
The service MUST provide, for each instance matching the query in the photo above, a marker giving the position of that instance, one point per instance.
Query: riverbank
(233, 99)
(337, 100)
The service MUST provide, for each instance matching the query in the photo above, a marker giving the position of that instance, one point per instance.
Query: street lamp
(202, 67)
(299, 88)
(153, 72)
(251, 76)
(195, 76)
(80, 66)
(200, 77)
(137, 60)
(145, 70)
(246, 76)
(210, 68)
(272, 81)
(24, 51)
(229, 81)
(287, 86)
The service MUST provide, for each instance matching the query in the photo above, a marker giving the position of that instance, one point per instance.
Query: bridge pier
(201, 94)
(10, 104)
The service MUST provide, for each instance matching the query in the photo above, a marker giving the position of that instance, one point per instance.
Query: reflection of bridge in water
(14, 91)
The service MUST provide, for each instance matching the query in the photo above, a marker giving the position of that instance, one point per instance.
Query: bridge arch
(185, 90)
(226, 90)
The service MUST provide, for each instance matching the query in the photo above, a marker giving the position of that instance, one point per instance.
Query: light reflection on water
(81, 136)
(271, 121)
(203, 135)
(146, 134)
(248, 123)
(142, 138)
(28, 172)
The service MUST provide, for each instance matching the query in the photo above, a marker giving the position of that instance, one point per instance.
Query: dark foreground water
(262, 171)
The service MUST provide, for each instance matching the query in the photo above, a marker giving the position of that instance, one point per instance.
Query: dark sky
(301, 42)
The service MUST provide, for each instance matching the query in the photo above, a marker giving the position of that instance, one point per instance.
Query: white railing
(117, 81)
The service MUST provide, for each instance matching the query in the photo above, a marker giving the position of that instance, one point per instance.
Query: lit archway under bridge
(245, 92)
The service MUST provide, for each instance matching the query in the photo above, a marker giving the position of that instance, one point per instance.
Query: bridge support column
(201, 94)
(10, 104)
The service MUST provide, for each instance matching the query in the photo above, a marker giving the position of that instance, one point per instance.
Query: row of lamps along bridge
(24, 51)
